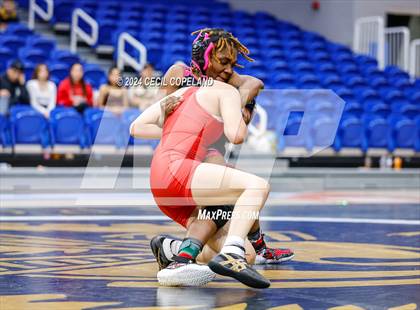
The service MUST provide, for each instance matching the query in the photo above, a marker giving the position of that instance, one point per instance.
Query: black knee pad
(220, 215)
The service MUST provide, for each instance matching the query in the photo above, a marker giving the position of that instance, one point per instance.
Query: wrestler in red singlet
(187, 134)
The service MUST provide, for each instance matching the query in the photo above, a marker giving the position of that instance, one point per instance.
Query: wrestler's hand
(247, 116)
(169, 105)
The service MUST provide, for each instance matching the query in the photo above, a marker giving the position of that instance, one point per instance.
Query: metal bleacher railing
(126, 58)
(389, 46)
(35, 9)
(77, 31)
(369, 38)
(397, 47)
(415, 58)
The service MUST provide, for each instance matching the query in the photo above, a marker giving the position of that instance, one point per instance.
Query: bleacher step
(62, 39)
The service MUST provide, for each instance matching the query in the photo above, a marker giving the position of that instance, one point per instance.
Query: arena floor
(363, 253)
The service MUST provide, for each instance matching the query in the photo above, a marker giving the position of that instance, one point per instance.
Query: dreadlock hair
(208, 42)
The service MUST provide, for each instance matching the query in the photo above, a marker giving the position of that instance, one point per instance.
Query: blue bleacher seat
(404, 132)
(394, 72)
(379, 108)
(414, 96)
(377, 82)
(288, 127)
(302, 66)
(366, 61)
(67, 127)
(352, 81)
(401, 84)
(296, 55)
(378, 132)
(94, 76)
(371, 72)
(350, 134)
(127, 118)
(32, 55)
(65, 57)
(169, 59)
(44, 44)
(58, 71)
(3, 130)
(353, 107)
(322, 132)
(319, 55)
(29, 70)
(131, 14)
(103, 127)
(330, 80)
(6, 55)
(308, 81)
(28, 126)
(106, 27)
(284, 79)
(12, 42)
(107, 15)
(417, 146)
(395, 97)
(348, 68)
(409, 110)
(19, 30)
(278, 65)
(61, 11)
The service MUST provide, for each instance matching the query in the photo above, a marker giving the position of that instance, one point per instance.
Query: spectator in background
(42, 92)
(8, 13)
(74, 91)
(144, 94)
(12, 87)
(112, 96)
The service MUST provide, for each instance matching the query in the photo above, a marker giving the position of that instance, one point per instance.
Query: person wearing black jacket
(12, 87)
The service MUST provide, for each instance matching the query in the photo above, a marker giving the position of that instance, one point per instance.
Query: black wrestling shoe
(235, 266)
(156, 244)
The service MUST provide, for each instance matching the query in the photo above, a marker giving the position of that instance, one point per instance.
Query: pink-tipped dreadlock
(207, 43)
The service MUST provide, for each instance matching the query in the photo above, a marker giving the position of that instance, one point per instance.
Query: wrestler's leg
(216, 185)
(215, 244)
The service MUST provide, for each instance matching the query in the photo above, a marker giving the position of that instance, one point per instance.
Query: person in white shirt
(42, 92)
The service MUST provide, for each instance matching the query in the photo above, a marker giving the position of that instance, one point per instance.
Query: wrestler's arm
(247, 85)
(150, 122)
(146, 125)
(235, 128)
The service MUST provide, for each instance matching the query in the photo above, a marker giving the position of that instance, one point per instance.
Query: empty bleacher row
(382, 107)
(20, 42)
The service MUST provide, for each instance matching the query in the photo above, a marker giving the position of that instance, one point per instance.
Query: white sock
(175, 244)
(167, 248)
(235, 245)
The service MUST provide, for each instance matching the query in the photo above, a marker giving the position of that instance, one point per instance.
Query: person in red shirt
(74, 91)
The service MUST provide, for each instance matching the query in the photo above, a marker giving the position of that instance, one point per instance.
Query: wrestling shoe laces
(235, 266)
(263, 250)
(179, 261)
